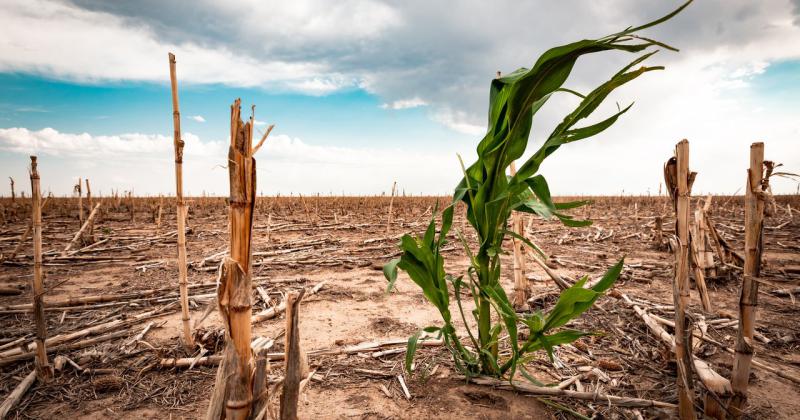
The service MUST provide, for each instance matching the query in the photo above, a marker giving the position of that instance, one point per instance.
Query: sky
(363, 93)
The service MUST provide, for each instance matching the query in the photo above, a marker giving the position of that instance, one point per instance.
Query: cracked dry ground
(343, 242)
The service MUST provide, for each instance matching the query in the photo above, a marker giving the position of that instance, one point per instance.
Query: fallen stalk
(711, 379)
(586, 396)
(20, 354)
(60, 304)
(83, 228)
(15, 395)
(371, 347)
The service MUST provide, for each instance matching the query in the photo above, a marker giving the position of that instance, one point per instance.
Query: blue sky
(350, 117)
(367, 92)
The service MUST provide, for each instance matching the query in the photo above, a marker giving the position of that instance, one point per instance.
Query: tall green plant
(490, 197)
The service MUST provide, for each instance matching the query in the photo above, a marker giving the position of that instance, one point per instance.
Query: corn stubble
(491, 197)
(233, 388)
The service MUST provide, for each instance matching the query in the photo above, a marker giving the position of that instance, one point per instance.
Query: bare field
(340, 244)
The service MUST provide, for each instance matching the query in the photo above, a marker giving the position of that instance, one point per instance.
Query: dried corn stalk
(679, 182)
(757, 184)
(181, 206)
(44, 370)
(233, 294)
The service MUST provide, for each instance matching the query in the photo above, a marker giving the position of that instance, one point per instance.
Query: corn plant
(491, 196)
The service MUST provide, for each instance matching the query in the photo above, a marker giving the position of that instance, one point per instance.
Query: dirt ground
(343, 242)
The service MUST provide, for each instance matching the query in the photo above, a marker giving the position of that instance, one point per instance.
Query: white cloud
(131, 146)
(414, 102)
(285, 164)
(317, 21)
(90, 46)
(458, 121)
(319, 85)
(198, 118)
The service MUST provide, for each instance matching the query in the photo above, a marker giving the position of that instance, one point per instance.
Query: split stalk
(43, 369)
(180, 210)
(748, 301)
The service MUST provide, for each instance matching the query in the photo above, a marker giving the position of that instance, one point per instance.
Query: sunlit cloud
(414, 102)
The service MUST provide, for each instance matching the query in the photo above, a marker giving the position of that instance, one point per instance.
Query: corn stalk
(679, 182)
(180, 212)
(234, 377)
(757, 186)
(44, 371)
(491, 197)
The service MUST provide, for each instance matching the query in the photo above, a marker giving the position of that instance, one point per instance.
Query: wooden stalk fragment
(13, 194)
(183, 282)
(700, 254)
(131, 208)
(658, 235)
(269, 228)
(79, 189)
(748, 301)
(714, 382)
(159, 213)
(527, 387)
(294, 358)
(43, 369)
(81, 231)
(521, 291)
(715, 240)
(260, 386)
(233, 294)
(679, 182)
(17, 394)
(216, 407)
(391, 202)
(705, 247)
(562, 283)
(90, 204)
(88, 193)
(699, 273)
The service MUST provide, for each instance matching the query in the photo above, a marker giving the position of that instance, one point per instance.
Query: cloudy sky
(363, 93)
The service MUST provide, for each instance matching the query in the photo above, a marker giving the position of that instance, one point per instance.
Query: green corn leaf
(609, 277)
(411, 349)
(655, 22)
(577, 299)
(492, 359)
(430, 232)
(544, 205)
(570, 222)
(447, 222)
(390, 272)
(552, 340)
(539, 187)
(571, 303)
(572, 204)
(580, 95)
(534, 206)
